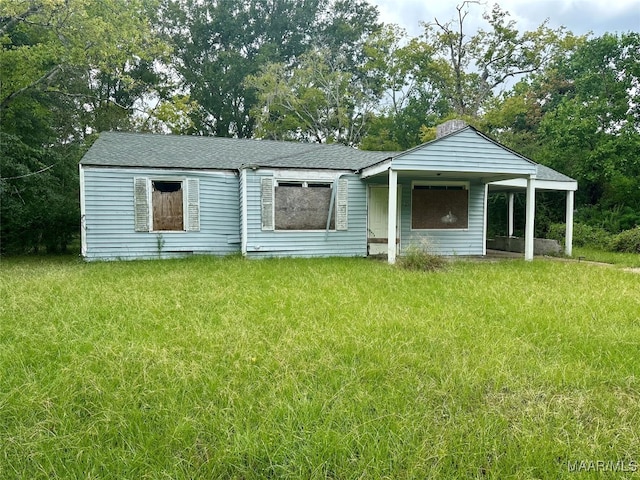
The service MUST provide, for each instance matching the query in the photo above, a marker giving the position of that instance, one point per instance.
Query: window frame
(339, 186)
(190, 220)
(466, 185)
(183, 191)
(303, 184)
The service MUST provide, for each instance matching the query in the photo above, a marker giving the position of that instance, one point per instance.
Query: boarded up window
(303, 206)
(168, 207)
(439, 207)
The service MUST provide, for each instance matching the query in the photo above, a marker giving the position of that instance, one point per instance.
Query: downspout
(243, 211)
(83, 213)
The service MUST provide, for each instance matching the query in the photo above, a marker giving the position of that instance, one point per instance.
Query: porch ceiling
(520, 185)
(484, 177)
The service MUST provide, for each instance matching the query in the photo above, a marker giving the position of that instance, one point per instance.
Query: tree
(83, 54)
(467, 69)
(217, 44)
(69, 67)
(314, 102)
(591, 125)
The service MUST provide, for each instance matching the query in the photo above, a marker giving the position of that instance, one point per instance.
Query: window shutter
(141, 204)
(267, 203)
(342, 220)
(193, 205)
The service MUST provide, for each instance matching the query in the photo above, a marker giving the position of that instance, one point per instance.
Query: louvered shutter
(267, 203)
(141, 204)
(342, 220)
(193, 205)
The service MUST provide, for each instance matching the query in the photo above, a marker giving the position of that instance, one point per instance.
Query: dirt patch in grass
(632, 270)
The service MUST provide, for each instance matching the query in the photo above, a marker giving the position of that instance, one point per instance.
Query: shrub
(583, 235)
(627, 241)
(420, 258)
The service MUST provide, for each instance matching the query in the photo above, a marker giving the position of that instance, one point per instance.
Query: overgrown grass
(327, 368)
(599, 255)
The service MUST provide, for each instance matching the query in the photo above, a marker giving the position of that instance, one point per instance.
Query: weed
(420, 257)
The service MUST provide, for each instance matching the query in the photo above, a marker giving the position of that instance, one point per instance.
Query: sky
(579, 16)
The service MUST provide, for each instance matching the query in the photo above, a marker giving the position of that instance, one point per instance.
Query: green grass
(599, 255)
(324, 368)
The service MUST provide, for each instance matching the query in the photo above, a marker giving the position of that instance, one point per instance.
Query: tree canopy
(301, 70)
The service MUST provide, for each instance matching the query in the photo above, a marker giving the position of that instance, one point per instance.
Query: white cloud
(579, 16)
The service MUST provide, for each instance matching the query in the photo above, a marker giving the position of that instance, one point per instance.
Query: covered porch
(446, 213)
(546, 179)
(439, 193)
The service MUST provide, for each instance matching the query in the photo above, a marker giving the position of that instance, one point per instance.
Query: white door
(379, 218)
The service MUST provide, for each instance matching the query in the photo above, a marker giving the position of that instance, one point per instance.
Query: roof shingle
(118, 149)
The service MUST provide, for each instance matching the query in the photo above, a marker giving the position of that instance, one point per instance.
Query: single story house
(149, 196)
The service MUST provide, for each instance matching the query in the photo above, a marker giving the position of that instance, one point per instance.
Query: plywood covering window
(168, 205)
(290, 205)
(303, 206)
(165, 205)
(439, 206)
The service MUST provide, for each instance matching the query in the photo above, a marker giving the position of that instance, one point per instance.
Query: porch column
(393, 208)
(568, 236)
(510, 197)
(530, 219)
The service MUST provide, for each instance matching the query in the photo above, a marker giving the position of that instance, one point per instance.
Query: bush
(627, 241)
(583, 235)
(419, 258)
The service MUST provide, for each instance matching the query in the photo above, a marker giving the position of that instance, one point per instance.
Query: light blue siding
(468, 241)
(274, 243)
(466, 151)
(109, 215)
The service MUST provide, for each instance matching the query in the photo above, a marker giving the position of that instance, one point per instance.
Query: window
(304, 205)
(165, 205)
(439, 206)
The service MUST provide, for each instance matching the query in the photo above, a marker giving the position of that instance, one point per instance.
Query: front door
(378, 220)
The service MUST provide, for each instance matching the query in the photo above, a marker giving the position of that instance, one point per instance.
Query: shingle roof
(546, 173)
(118, 149)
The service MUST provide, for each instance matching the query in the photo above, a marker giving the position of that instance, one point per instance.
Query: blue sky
(579, 16)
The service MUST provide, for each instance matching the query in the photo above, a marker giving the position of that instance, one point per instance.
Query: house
(150, 196)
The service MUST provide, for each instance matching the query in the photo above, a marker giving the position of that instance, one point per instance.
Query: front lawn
(323, 368)
(631, 260)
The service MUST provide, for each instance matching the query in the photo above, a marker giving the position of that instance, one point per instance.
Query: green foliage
(218, 45)
(613, 219)
(583, 235)
(590, 131)
(69, 68)
(419, 257)
(39, 203)
(627, 241)
(318, 102)
(466, 69)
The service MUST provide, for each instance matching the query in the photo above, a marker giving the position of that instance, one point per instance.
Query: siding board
(110, 213)
(466, 151)
(275, 243)
(467, 241)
